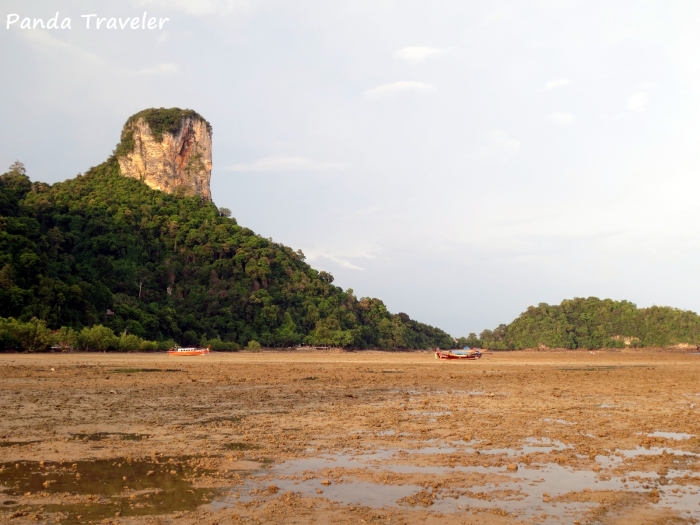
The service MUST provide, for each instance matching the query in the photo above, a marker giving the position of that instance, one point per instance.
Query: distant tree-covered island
(592, 323)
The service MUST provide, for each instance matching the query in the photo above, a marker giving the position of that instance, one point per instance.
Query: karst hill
(169, 150)
(136, 249)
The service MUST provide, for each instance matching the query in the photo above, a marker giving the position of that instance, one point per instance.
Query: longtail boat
(467, 353)
(188, 351)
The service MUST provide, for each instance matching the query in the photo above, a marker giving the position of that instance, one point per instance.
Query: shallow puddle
(546, 491)
(671, 435)
(241, 446)
(93, 490)
(559, 421)
(215, 419)
(600, 368)
(99, 436)
(532, 446)
(18, 443)
(142, 370)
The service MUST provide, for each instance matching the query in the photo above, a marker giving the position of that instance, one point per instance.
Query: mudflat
(362, 437)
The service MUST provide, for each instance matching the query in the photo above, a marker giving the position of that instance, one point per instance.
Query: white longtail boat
(188, 351)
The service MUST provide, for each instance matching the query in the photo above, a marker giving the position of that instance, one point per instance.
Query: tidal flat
(350, 437)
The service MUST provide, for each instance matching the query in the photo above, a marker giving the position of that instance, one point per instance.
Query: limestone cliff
(168, 149)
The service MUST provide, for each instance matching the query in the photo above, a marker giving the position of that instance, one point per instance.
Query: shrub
(129, 342)
(148, 346)
(165, 345)
(253, 345)
(65, 338)
(221, 346)
(97, 338)
(31, 336)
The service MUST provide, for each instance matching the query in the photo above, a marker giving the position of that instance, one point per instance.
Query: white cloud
(554, 84)
(280, 163)
(637, 102)
(198, 7)
(418, 54)
(560, 117)
(399, 87)
(45, 41)
(158, 69)
(500, 145)
(648, 85)
(340, 259)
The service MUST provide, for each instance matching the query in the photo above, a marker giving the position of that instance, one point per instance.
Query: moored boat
(467, 353)
(188, 351)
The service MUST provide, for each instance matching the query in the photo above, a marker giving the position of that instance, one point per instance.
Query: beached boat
(467, 353)
(188, 351)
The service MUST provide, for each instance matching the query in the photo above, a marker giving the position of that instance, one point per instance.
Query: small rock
(173, 472)
(596, 468)
(512, 466)
(319, 491)
(116, 514)
(326, 482)
(273, 489)
(77, 476)
(150, 473)
(124, 478)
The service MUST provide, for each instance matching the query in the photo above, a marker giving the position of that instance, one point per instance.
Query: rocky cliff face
(168, 149)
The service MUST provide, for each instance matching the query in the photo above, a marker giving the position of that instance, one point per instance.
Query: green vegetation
(592, 323)
(35, 336)
(160, 121)
(103, 254)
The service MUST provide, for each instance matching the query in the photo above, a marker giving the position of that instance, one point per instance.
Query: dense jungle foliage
(105, 252)
(592, 323)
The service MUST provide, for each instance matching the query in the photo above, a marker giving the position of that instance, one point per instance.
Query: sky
(460, 160)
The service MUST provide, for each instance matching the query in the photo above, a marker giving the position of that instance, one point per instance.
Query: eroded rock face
(178, 163)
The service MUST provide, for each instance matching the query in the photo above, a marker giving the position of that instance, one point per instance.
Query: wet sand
(363, 437)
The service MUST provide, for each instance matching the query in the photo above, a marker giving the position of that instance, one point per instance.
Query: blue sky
(459, 160)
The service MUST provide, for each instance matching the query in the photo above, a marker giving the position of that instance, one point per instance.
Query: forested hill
(103, 249)
(593, 323)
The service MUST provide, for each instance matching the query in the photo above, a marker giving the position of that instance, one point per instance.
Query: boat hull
(182, 352)
(449, 356)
